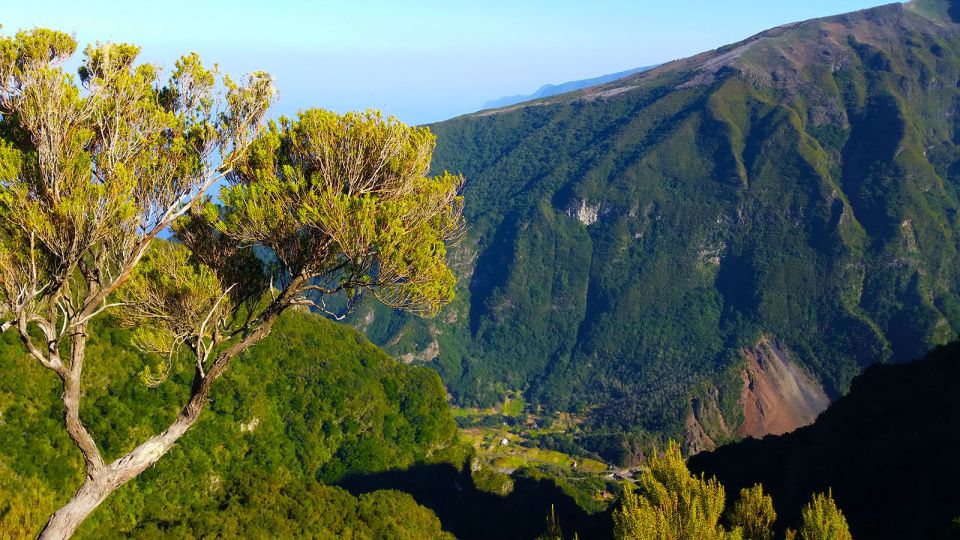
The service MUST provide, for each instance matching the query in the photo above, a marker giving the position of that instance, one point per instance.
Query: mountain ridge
(629, 241)
(561, 88)
(942, 11)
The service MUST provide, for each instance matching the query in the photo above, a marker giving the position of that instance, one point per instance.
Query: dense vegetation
(669, 503)
(628, 242)
(626, 246)
(307, 406)
(888, 449)
(94, 168)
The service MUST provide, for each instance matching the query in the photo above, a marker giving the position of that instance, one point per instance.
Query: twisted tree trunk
(102, 480)
(65, 520)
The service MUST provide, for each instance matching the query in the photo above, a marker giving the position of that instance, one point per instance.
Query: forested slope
(312, 403)
(630, 244)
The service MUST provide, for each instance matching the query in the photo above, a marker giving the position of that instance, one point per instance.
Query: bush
(669, 503)
(753, 513)
(822, 520)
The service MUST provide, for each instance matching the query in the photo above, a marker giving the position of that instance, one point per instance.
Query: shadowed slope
(629, 241)
(473, 514)
(888, 450)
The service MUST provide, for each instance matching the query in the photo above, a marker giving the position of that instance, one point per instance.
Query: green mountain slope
(887, 449)
(311, 404)
(630, 242)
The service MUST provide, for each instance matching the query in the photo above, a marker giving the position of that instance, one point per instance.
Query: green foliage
(819, 207)
(107, 166)
(553, 531)
(490, 480)
(94, 172)
(753, 513)
(25, 503)
(822, 520)
(394, 514)
(313, 402)
(669, 503)
(256, 506)
(857, 448)
(346, 200)
(580, 488)
(190, 295)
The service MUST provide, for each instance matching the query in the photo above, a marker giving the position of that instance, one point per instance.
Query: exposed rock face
(585, 213)
(705, 425)
(889, 442)
(696, 439)
(428, 354)
(778, 396)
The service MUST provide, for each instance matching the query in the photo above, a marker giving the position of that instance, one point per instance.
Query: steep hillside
(887, 449)
(777, 396)
(631, 243)
(311, 404)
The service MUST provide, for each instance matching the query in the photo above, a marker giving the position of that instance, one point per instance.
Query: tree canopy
(93, 168)
(309, 405)
(670, 503)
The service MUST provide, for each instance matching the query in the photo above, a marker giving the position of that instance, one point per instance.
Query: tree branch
(71, 403)
(102, 293)
(52, 363)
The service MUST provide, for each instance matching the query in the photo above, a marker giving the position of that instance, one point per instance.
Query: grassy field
(506, 449)
(509, 446)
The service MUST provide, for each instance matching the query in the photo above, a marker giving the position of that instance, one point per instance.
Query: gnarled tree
(91, 173)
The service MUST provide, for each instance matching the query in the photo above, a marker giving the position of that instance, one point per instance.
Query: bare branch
(85, 319)
(321, 307)
(52, 363)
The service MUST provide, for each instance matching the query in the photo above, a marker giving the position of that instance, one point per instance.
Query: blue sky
(422, 61)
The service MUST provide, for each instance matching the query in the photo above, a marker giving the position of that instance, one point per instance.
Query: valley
(630, 244)
(712, 299)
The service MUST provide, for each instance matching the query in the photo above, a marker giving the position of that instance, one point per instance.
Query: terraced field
(507, 451)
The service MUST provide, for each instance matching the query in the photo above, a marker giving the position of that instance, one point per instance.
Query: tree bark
(102, 480)
(71, 402)
(66, 520)
(102, 483)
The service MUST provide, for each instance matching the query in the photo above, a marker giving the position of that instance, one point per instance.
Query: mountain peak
(800, 183)
(945, 10)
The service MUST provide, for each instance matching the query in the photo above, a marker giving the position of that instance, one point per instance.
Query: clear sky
(420, 60)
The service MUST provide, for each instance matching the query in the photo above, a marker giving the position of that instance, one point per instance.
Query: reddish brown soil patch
(777, 396)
